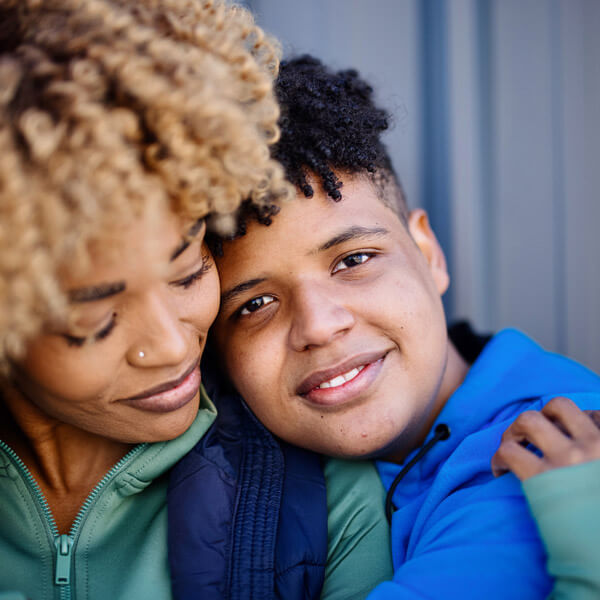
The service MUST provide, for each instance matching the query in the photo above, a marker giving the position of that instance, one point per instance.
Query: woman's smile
(169, 396)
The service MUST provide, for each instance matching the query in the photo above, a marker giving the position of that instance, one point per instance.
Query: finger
(572, 419)
(535, 428)
(512, 456)
(594, 415)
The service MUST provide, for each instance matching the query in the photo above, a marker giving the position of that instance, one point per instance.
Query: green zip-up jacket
(117, 546)
(566, 505)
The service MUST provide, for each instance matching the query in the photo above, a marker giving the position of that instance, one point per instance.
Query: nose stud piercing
(141, 354)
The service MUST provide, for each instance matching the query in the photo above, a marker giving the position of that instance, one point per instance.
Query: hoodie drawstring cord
(441, 432)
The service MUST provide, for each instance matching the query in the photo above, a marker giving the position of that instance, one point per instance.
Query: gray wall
(497, 135)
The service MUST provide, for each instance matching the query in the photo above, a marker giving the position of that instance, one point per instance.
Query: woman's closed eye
(352, 260)
(255, 304)
(189, 280)
(74, 340)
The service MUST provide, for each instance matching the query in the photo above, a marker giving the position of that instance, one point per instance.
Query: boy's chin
(363, 450)
(394, 450)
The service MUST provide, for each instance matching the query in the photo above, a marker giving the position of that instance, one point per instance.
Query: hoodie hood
(511, 369)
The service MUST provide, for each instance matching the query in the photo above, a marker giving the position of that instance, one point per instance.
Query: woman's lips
(345, 385)
(169, 399)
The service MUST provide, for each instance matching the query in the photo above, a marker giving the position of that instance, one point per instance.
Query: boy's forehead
(383, 183)
(311, 223)
(362, 203)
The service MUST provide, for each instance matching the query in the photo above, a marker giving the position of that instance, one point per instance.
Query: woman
(124, 126)
(113, 114)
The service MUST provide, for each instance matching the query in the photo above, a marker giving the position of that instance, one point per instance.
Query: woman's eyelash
(105, 331)
(73, 340)
(186, 282)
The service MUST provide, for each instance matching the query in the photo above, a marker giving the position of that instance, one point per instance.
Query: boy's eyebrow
(352, 233)
(96, 292)
(231, 293)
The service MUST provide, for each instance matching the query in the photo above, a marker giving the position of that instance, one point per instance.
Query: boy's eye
(255, 304)
(73, 340)
(352, 260)
(188, 281)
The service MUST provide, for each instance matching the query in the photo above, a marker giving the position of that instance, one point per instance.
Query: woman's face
(126, 368)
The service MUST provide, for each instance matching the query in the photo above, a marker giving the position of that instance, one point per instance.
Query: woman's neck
(66, 461)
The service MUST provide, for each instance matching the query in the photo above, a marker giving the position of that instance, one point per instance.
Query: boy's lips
(341, 375)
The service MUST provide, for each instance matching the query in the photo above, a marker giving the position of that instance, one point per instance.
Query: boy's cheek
(248, 365)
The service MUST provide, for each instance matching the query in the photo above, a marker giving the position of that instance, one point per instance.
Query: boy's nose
(318, 319)
(161, 339)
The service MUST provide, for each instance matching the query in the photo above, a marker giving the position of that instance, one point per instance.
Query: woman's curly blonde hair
(109, 105)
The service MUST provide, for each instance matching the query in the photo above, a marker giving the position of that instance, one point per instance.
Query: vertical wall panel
(470, 274)
(580, 24)
(522, 214)
(435, 169)
(300, 26)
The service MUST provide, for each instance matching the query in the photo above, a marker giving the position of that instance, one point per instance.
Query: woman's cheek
(75, 374)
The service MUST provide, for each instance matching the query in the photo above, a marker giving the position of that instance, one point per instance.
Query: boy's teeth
(341, 379)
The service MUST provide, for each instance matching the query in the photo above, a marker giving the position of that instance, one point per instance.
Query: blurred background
(496, 133)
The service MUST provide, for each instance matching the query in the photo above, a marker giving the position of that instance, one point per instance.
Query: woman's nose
(162, 338)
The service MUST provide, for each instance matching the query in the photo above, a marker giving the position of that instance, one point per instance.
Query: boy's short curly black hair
(330, 125)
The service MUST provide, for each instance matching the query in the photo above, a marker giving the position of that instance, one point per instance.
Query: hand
(564, 434)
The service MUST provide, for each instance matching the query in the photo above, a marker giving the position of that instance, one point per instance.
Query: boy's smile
(343, 382)
(332, 326)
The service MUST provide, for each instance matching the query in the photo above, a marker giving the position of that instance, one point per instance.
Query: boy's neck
(454, 374)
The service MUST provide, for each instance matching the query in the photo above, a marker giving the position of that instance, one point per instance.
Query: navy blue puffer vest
(247, 513)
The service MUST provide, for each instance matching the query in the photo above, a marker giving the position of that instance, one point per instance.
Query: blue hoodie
(458, 532)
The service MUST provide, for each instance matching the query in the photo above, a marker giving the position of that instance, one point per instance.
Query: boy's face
(332, 326)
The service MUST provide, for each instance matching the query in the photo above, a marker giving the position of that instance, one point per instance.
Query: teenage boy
(332, 329)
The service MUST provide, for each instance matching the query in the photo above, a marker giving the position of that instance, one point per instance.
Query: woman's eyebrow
(105, 290)
(191, 234)
(231, 293)
(352, 233)
(96, 292)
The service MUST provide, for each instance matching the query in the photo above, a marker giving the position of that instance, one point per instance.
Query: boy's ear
(422, 234)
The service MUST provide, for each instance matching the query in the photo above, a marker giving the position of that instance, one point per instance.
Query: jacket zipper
(64, 544)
